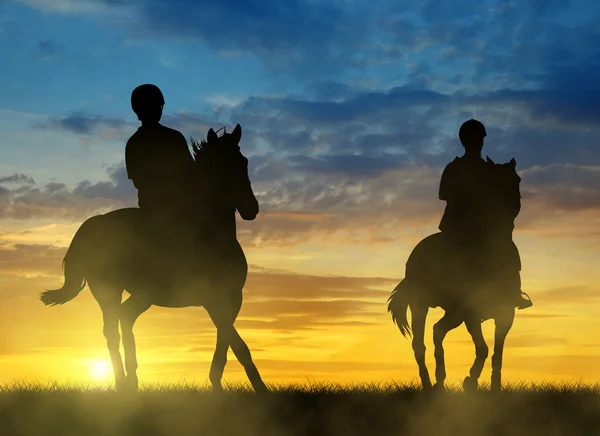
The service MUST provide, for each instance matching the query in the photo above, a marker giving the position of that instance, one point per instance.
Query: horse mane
(204, 148)
(200, 148)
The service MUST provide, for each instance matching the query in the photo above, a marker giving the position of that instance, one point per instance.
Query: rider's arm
(183, 158)
(446, 184)
(182, 152)
(130, 161)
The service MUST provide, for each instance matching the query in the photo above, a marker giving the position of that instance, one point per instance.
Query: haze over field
(350, 111)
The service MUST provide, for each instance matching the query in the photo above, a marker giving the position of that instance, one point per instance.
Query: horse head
(223, 171)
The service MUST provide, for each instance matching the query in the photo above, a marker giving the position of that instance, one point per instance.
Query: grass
(311, 409)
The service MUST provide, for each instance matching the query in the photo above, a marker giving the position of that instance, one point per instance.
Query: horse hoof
(128, 384)
(132, 384)
(496, 387)
(120, 385)
(261, 389)
(470, 384)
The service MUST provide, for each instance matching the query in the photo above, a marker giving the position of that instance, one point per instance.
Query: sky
(350, 110)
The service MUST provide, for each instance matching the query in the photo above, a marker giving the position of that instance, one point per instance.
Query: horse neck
(220, 223)
(501, 231)
(501, 221)
(503, 210)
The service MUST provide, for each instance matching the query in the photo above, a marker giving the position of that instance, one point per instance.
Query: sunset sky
(350, 111)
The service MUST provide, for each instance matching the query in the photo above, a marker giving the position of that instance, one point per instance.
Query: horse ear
(236, 135)
(513, 162)
(212, 136)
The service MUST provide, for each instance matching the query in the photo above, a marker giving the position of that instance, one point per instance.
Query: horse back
(426, 252)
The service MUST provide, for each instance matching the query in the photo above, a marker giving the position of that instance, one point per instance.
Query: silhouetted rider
(159, 164)
(465, 186)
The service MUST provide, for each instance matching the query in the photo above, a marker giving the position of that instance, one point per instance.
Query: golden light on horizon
(100, 370)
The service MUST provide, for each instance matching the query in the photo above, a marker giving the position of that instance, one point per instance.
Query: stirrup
(528, 299)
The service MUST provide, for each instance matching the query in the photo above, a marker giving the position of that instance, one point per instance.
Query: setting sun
(100, 370)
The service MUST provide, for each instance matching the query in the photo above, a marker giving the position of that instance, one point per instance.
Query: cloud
(569, 105)
(569, 295)
(111, 129)
(537, 340)
(414, 125)
(365, 105)
(256, 24)
(116, 129)
(30, 259)
(352, 176)
(18, 178)
(563, 186)
(531, 340)
(56, 200)
(323, 182)
(353, 165)
(311, 37)
(470, 45)
(281, 284)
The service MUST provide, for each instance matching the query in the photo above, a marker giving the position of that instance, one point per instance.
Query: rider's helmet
(471, 129)
(147, 100)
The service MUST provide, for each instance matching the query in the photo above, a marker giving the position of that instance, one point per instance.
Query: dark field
(548, 410)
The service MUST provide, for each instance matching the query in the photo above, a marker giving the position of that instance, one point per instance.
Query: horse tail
(73, 266)
(398, 306)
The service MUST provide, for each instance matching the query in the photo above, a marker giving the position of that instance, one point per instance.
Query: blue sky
(330, 93)
(338, 89)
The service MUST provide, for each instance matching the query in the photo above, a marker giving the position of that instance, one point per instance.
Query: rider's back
(465, 188)
(159, 163)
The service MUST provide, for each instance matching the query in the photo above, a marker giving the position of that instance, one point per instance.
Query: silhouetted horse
(438, 274)
(113, 252)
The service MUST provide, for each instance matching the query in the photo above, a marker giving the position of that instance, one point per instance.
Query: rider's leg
(512, 267)
(514, 287)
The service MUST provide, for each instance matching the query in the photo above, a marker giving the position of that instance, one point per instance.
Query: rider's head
(147, 102)
(471, 135)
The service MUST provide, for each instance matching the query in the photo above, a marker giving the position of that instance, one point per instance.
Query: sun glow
(99, 370)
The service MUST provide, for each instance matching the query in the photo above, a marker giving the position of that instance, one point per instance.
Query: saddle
(163, 246)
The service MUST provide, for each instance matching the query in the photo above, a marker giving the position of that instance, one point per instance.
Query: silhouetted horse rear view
(439, 275)
(116, 252)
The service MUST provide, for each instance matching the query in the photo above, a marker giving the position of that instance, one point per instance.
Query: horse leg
(131, 309)
(217, 366)
(242, 353)
(110, 302)
(473, 325)
(419, 314)
(451, 319)
(504, 321)
(223, 313)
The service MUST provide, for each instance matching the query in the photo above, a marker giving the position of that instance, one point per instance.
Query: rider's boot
(513, 288)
